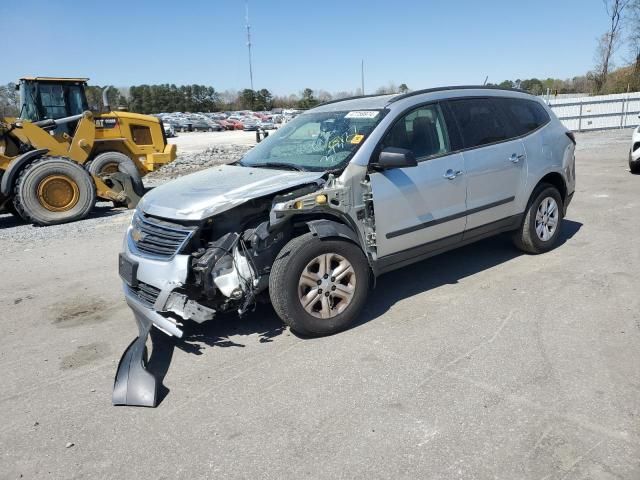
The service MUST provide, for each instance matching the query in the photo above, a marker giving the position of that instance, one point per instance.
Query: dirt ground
(482, 363)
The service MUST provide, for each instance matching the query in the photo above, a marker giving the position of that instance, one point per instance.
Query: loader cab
(44, 98)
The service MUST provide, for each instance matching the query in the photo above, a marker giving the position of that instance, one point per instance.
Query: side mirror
(392, 157)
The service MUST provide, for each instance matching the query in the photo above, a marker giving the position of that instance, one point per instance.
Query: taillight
(572, 137)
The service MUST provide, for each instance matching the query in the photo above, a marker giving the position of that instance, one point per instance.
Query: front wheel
(543, 221)
(54, 190)
(319, 287)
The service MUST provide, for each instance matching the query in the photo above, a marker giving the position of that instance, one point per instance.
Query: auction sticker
(362, 114)
(357, 139)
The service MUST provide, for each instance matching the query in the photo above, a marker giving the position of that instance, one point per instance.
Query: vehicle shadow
(8, 220)
(448, 268)
(263, 321)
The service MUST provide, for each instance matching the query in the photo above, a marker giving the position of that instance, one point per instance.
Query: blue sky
(298, 44)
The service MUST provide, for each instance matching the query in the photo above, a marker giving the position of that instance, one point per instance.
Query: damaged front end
(205, 243)
(184, 271)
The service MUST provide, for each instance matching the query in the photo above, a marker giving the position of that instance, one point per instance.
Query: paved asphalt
(482, 363)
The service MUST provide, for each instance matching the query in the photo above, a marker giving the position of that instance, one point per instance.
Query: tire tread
(18, 201)
(523, 238)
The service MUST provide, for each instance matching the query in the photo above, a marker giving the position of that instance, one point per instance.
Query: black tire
(10, 209)
(105, 162)
(526, 238)
(8, 205)
(27, 191)
(634, 167)
(284, 284)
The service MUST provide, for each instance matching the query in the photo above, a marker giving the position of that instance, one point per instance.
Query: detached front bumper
(134, 384)
(149, 315)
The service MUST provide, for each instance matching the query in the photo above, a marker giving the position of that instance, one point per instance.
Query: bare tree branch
(609, 42)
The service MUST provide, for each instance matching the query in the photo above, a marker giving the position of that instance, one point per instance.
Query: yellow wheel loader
(58, 156)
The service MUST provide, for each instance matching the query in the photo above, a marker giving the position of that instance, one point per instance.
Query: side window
(480, 120)
(527, 115)
(542, 116)
(423, 131)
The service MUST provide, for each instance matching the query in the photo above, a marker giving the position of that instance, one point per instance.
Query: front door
(416, 206)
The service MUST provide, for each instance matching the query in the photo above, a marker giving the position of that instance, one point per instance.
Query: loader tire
(112, 162)
(53, 190)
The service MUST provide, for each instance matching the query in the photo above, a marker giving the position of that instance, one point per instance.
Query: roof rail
(355, 97)
(461, 87)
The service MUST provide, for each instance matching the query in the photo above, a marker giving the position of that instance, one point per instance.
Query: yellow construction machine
(57, 157)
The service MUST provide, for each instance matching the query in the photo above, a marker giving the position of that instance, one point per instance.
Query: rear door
(495, 162)
(426, 203)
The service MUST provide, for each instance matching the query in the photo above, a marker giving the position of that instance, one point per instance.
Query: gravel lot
(195, 152)
(482, 363)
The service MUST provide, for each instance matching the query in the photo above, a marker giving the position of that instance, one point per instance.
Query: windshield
(315, 141)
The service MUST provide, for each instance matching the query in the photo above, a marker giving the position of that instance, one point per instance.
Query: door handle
(516, 158)
(451, 174)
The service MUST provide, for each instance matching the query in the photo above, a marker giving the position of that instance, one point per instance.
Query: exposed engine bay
(231, 253)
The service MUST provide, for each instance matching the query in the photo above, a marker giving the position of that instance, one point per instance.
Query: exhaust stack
(105, 100)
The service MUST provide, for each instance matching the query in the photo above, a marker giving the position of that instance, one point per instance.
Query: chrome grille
(158, 238)
(147, 294)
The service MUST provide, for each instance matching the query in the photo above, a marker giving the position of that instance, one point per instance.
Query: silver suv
(342, 194)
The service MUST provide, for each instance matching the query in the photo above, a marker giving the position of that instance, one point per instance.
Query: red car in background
(237, 125)
(225, 124)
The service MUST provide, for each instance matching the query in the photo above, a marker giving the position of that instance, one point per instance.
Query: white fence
(598, 113)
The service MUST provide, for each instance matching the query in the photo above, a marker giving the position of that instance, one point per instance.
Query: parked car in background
(169, 130)
(227, 125)
(267, 125)
(199, 125)
(237, 124)
(634, 152)
(183, 124)
(251, 124)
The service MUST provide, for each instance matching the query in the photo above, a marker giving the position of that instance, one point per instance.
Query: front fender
(14, 168)
(328, 229)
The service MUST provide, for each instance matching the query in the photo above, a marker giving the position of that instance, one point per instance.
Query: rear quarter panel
(548, 150)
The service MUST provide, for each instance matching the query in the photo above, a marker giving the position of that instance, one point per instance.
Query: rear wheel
(319, 287)
(112, 162)
(53, 190)
(543, 220)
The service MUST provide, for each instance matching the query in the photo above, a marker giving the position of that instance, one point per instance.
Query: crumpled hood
(212, 191)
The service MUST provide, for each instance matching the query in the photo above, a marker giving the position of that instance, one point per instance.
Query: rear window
(481, 121)
(527, 115)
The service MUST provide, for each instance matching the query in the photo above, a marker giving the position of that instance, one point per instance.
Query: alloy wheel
(327, 285)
